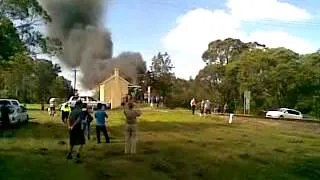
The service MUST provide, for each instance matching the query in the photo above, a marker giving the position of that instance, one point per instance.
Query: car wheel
(281, 117)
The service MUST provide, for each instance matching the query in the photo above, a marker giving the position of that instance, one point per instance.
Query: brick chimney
(116, 72)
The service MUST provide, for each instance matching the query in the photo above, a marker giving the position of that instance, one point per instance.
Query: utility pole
(75, 80)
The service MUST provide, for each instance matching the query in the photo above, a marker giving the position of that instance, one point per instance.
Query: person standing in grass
(65, 111)
(86, 119)
(75, 129)
(52, 104)
(131, 129)
(193, 105)
(101, 117)
(202, 108)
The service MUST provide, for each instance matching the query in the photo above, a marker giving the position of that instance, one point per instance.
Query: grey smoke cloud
(86, 44)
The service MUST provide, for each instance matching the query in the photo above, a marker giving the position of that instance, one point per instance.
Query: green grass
(172, 145)
(34, 106)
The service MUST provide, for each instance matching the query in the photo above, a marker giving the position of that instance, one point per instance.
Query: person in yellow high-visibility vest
(65, 109)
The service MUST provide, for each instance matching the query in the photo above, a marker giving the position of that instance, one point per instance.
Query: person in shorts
(131, 129)
(75, 130)
(65, 112)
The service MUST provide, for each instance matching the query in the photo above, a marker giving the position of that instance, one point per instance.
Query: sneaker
(69, 156)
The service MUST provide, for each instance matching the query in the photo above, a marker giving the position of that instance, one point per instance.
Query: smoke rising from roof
(86, 44)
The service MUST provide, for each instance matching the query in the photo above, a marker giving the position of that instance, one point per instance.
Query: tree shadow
(36, 130)
(168, 158)
(155, 160)
(54, 130)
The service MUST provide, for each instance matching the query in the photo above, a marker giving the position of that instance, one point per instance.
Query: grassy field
(172, 145)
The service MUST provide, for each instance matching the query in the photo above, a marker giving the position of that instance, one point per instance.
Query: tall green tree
(61, 88)
(27, 16)
(9, 40)
(309, 84)
(46, 73)
(18, 81)
(161, 74)
(224, 51)
(271, 76)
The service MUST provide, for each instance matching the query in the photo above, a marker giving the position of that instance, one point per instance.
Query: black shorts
(52, 108)
(77, 136)
(64, 115)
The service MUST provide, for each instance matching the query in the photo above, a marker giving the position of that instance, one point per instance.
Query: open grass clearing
(172, 145)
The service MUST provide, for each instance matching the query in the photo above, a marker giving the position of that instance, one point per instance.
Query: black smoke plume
(86, 44)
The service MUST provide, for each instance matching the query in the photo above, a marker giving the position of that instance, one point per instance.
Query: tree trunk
(42, 105)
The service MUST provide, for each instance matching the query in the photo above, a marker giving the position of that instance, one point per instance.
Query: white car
(12, 102)
(17, 113)
(284, 113)
(89, 101)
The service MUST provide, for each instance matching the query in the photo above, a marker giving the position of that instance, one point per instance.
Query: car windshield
(4, 103)
(15, 103)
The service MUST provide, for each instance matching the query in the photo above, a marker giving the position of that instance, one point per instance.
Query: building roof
(112, 77)
(121, 77)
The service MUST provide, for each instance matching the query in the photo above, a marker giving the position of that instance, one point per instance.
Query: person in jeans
(131, 129)
(101, 117)
(86, 119)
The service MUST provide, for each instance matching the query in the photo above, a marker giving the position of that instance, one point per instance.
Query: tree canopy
(276, 77)
(21, 75)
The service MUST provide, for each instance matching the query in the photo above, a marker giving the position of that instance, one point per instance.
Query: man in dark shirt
(75, 129)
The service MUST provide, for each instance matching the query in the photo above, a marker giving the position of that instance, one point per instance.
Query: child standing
(131, 129)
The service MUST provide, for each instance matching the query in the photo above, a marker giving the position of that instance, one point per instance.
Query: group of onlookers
(79, 119)
(206, 107)
(156, 101)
